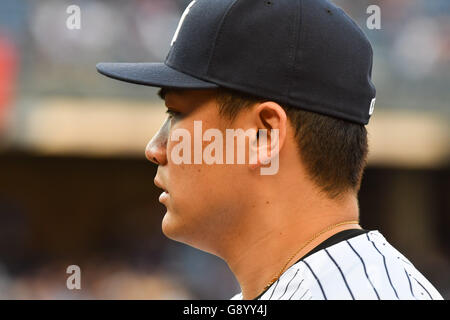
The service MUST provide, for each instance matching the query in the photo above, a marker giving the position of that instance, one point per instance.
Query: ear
(271, 127)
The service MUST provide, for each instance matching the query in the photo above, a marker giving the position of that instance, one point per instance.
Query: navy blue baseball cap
(307, 54)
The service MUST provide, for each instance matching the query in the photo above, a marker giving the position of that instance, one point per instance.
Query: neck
(264, 245)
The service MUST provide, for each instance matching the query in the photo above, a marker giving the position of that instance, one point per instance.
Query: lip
(164, 196)
(158, 183)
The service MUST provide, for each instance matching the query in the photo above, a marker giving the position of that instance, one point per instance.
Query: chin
(171, 227)
(167, 226)
(178, 232)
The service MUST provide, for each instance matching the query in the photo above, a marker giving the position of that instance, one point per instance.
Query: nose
(156, 150)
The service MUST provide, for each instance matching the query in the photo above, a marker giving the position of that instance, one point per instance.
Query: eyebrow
(162, 93)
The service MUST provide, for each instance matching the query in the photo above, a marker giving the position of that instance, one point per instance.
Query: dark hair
(334, 151)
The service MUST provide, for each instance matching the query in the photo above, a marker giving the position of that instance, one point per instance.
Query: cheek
(196, 191)
(202, 187)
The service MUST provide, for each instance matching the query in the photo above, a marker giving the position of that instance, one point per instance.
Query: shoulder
(294, 284)
(363, 267)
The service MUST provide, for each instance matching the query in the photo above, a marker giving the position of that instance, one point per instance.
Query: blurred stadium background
(75, 187)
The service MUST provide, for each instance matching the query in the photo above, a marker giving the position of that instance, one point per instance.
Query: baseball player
(295, 77)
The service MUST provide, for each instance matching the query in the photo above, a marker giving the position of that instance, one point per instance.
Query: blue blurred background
(75, 187)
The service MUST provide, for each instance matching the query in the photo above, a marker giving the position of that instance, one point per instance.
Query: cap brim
(152, 74)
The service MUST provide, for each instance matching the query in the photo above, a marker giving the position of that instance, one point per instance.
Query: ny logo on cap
(186, 11)
(372, 106)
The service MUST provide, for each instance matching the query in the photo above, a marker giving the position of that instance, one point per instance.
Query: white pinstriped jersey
(365, 267)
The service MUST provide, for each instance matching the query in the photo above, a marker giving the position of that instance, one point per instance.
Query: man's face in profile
(203, 201)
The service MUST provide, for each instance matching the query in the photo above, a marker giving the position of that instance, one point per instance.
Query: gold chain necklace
(308, 242)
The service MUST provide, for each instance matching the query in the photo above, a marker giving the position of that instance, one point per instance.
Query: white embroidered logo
(372, 106)
(181, 22)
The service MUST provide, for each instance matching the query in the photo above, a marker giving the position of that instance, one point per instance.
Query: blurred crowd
(412, 48)
(97, 282)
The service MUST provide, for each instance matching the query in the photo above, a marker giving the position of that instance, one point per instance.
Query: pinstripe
(342, 274)
(303, 294)
(385, 266)
(405, 261)
(296, 289)
(317, 279)
(343, 261)
(410, 284)
(276, 283)
(423, 288)
(364, 266)
(288, 285)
